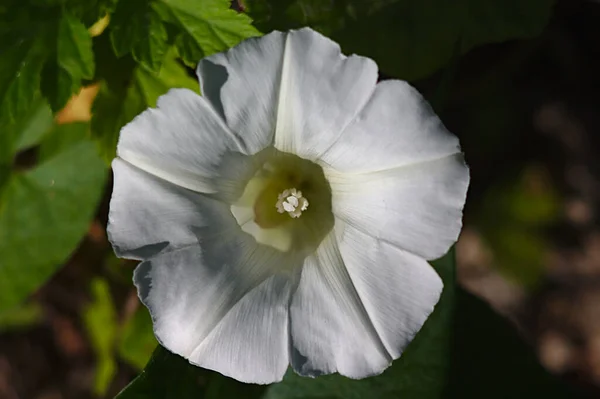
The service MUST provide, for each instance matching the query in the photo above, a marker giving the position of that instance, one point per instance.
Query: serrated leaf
(42, 46)
(72, 61)
(74, 48)
(409, 39)
(137, 28)
(207, 27)
(45, 211)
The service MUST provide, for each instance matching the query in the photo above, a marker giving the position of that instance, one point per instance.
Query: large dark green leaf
(490, 360)
(45, 211)
(409, 39)
(168, 376)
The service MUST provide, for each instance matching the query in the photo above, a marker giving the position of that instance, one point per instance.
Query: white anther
(292, 202)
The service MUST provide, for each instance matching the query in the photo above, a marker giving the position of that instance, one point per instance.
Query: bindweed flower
(287, 215)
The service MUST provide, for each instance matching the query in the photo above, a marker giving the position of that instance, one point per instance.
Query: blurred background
(528, 116)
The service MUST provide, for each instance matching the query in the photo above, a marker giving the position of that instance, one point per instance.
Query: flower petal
(330, 328)
(398, 289)
(396, 128)
(358, 305)
(296, 87)
(417, 208)
(149, 215)
(181, 141)
(242, 85)
(251, 343)
(321, 92)
(220, 304)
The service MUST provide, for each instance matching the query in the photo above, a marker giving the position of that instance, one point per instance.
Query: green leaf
(169, 376)
(20, 69)
(45, 211)
(206, 27)
(72, 61)
(42, 47)
(21, 317)
(409, 39)
(137, 339)
(33, 124)
(101, 325)
(36, 124)
(490, 360)
(111, 110)
(137, 28)
(420, 373)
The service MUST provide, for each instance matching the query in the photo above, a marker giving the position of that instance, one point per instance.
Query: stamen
(292, 202)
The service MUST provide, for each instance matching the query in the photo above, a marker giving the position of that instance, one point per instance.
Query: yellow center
(286, 204)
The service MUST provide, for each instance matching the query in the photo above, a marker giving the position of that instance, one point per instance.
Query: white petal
(398, 289)
(329, 326)
(321, 92)
(220, 304)
(417, 208)
(396, 128)
(149, 215)
(182, 140)
(251, 343)
(242, 84)
(295, 88)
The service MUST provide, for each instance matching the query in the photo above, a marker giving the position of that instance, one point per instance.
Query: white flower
(286, 216)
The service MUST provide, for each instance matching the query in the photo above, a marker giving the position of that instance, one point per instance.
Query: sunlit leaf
(205, 27)
(101, 325)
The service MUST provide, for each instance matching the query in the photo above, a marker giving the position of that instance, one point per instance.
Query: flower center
(274, 206)
(292, 202)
